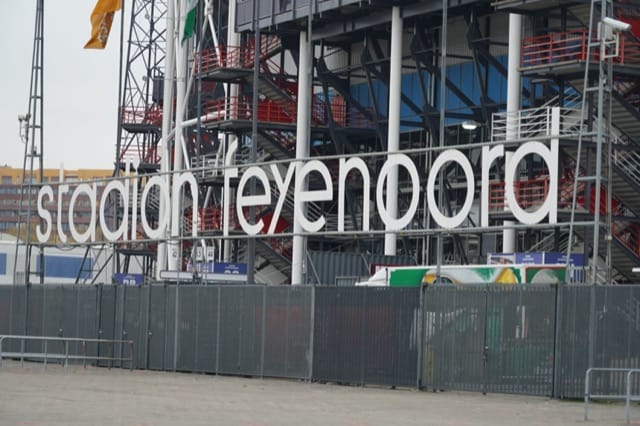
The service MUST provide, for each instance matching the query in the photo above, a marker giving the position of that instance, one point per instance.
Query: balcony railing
(531, 194)
(567, 46)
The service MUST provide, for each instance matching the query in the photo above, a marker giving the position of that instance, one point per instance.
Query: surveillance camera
(616, 25)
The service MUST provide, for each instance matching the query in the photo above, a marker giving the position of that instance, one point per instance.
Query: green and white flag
(190, 19)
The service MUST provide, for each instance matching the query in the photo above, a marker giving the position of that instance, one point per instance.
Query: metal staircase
(596, 94)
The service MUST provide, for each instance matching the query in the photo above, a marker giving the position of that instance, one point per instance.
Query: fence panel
(156, 333)
(240, 347)
(454, 336)
(287, 332)
(86, 316)
(5, 308)
(188, 326)
(12, 316)
(365, 335)
(107, 297)
(519, 339)
(35, 316)
(618, 332)
(53, 308)
(171, 296)
(337, 340)
(574, 340)
(133, 325)
(207, 308)
(615, 342)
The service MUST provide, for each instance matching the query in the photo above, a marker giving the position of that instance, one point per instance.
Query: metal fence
(366, 335)
(528, 339)
(489, 338)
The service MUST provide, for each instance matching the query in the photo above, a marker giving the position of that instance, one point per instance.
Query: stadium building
(322, 144)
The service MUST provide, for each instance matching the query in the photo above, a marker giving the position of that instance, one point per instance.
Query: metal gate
(489, 338)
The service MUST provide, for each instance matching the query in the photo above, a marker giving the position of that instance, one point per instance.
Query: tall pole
(513, 106)
(167, 112)
(302, 151)
(441, 135)
(253, 153)
(173, 262)
(393, 136)
(233, 39)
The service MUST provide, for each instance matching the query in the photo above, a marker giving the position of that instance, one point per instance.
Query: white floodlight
(616, 25)
(469, 125)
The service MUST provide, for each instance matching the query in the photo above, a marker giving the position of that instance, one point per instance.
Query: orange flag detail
(101, 19)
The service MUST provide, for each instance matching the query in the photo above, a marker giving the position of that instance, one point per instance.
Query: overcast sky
(80, 86)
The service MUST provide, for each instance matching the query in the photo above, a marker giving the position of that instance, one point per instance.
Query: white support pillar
(514, 88)
(167, 114)
(302, 151)
(173, 261)
(393, 137)
(233, 39)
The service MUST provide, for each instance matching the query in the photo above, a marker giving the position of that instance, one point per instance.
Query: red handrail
(559, 47)
(532, 193)
(141, 115)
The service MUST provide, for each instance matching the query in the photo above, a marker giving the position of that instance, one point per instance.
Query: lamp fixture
(469, 125)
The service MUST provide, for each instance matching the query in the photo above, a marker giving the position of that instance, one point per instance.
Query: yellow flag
(101, 19)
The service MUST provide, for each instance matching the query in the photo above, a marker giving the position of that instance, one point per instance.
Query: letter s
(43, 237)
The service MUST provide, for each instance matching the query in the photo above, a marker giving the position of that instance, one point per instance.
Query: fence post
(312, 331)
(218, 330)
(420, 336)
(176, 327)
(557, 342)
(485, 344)
(146, 337)
(263, 337)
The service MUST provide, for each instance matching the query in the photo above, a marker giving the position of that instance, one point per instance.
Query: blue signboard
(534, 258)
(230, 268)
(577, 259)
(128, 279)
(219, 268)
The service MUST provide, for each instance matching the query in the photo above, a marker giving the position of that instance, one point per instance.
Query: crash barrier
(623, 390)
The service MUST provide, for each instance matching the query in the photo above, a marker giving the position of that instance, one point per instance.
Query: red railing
(210, 219)
(532, 193)
(284, 246)
(241, 108)
(555, 48)
(235, 57)
(143, 154)
(152, 115)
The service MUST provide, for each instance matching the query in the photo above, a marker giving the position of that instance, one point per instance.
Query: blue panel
(381, 96)
(462, 75)
(497, 84)
(67, 267)
(3, 264)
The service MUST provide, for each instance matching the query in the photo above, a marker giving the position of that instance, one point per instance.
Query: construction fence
(526, 339)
